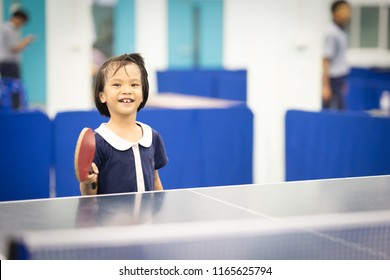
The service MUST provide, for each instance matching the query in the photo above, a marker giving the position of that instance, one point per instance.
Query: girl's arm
(157, 182)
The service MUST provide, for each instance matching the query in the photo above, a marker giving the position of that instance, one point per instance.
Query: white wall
(366, 2)
(69, 37)
(152, 36)
(279, 42)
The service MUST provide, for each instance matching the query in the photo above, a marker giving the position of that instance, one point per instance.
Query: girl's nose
(127, 89)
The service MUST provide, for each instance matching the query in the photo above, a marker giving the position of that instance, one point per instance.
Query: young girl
(128, 153)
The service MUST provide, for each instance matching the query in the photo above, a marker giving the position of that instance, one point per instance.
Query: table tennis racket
(84, 154)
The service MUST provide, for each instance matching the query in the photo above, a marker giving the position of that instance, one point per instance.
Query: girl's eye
(116, 85)
(135, 85)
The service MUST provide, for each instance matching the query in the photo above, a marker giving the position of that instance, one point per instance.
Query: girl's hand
(86, 187)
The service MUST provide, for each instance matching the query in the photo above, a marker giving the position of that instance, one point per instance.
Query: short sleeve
(6, 38)
(329, 46)
(160, 155)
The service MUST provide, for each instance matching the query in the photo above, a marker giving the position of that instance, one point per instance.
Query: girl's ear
(102, 97)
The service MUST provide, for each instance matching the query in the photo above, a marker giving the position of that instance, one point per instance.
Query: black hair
(120, 61)
(21, 14)
(335, 5)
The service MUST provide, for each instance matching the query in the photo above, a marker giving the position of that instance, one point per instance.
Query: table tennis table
(333, 219)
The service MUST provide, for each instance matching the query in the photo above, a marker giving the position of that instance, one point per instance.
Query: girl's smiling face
(123, 90)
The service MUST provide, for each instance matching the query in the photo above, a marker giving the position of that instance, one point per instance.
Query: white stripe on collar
(122, 144)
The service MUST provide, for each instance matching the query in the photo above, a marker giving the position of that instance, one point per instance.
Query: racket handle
(93, 184)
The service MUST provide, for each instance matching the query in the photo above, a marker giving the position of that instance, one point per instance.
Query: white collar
(122, 144)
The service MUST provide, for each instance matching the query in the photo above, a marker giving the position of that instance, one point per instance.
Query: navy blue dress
(125, 166)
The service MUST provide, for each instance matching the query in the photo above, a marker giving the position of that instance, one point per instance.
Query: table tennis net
(239, 240)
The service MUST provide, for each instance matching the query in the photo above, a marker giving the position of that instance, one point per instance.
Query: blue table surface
(321, 219)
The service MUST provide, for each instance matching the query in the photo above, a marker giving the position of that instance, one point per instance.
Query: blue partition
(25, 152)
(365, 86)
(206, 147)
(217, 83)
(332, 144)
(193, 82)
(232, 85)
